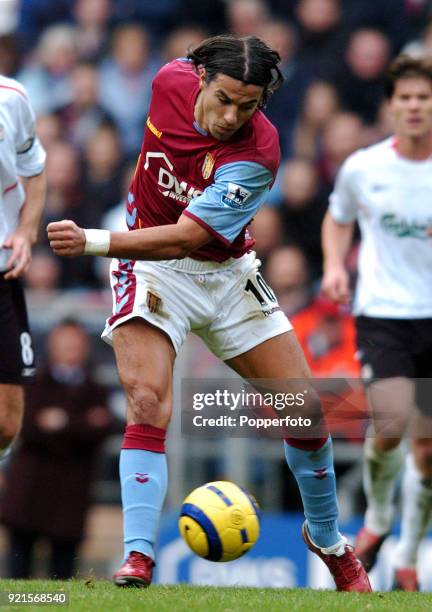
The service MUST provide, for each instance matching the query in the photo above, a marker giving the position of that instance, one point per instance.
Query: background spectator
(360, 82)
(343, 134)
(84, 114)
(320, 103)
(266, 229)
(302, 209)
(91, 19)
(9, 58)
(47, 75)
(321, 34)
(125, 80)
(43, 276)
(245, 17)
(51, 473)
(287, 273)
(49, 129)
(284, 106)
(64, 181)
(177, 43)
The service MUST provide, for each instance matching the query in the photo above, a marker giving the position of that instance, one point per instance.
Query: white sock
(416, 513)
(380, 473)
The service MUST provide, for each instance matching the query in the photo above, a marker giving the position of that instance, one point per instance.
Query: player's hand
(19, 261)
(66, 238)
(335, 285)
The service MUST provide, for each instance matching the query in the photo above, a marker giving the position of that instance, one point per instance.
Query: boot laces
(139, 560)
(345, 567)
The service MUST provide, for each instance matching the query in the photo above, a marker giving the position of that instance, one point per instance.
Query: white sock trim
(337, 549)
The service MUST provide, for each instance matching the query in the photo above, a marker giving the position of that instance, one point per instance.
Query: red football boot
(136, 571)
(367, 547)
(405, 579)
(347, 571)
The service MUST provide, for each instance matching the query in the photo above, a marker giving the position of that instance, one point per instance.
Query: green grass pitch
(102, 596)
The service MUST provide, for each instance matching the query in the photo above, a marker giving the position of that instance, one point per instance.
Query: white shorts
(227, 304)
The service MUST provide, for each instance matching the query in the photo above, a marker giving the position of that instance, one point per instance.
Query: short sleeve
(30, 153)
(343, 199)
(226, 206)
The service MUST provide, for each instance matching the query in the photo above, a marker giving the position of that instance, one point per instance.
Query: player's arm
(30, 163)
(336, 237)
(31, 211)
(336, 241)
(221, 212)
(153, 243)
(25, 236)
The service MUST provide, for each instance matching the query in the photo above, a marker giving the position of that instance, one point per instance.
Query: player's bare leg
(11, 414)
(392, 403)
(145, 359)
(311, 461)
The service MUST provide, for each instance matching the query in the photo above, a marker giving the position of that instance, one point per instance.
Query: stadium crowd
(88, 66)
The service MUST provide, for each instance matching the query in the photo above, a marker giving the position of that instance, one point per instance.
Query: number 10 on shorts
(261, 291)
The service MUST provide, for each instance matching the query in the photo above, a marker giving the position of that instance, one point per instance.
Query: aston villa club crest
(207, 166)
(154, 302)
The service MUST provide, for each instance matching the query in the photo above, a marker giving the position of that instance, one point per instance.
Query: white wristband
(97, 242)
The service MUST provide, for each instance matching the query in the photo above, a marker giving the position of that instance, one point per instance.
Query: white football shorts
(229, 305)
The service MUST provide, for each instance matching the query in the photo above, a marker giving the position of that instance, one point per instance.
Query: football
(220, 521)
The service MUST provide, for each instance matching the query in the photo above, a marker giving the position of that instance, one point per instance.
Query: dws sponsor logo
(169, 185)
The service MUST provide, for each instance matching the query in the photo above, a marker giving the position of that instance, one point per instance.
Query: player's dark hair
(405, 66)
(246, 59)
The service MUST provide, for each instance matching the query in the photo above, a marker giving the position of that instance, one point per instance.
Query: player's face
(411, 107)
(225, 104)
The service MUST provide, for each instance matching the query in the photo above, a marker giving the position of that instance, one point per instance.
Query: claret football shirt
(184, 170)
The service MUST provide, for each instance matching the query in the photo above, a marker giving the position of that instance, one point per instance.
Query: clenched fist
(66, 238)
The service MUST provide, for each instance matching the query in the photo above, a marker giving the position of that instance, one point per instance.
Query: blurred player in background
(208, 160)
(21, 204)
(388, 189)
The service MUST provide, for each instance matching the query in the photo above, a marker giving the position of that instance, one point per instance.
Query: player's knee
(144, 405)
(11, 413)
(8, 432)
(384, 444)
